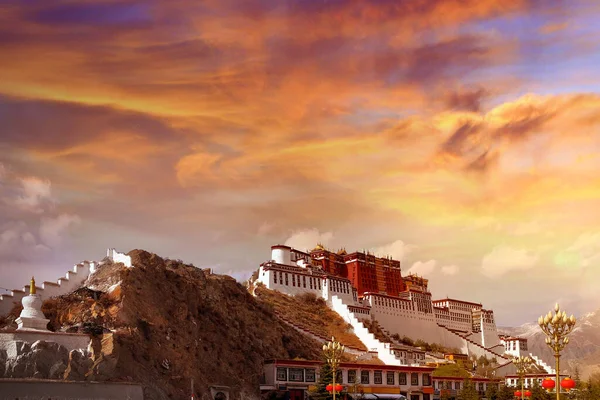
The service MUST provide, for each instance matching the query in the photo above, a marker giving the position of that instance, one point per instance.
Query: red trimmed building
(295, 379)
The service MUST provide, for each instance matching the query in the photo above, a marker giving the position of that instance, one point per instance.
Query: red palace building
(366, 272)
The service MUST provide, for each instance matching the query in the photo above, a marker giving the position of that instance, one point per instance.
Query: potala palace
(361, 286)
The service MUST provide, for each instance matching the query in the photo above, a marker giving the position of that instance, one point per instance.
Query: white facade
(451, 323)
(32, 318)
(514, 346)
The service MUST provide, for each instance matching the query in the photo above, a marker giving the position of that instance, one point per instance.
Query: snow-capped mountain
(583, 348)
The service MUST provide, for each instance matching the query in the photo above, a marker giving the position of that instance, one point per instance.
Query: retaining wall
(11, 389)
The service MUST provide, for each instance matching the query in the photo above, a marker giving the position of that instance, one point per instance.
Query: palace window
(296, 375)
(351, 376)
(402, 378)
(414, 379)
(304, 281)
(281, 374)
(456, 385)
(390, 378)
(310, 282)
(309, 375)
(286, 279)
(274, 277)
(339, 378)
(426, 380)
(294, 280)
(377, 378)
(364, 377)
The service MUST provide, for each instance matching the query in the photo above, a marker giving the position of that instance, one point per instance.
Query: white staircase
(384, 351)
(542, 364)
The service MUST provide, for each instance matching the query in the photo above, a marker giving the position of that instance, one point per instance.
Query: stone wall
(117, 257)
(11, 389)
(72, 280)
(71, 341)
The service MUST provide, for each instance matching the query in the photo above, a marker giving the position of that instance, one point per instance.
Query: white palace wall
(490, 335)
(294, 281)
(396, 315)
(446, 322)
(73, 280)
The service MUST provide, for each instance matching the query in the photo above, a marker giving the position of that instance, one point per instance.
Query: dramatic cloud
(35, 192)
(449, 269)
(307, 239)
(19, 244)
(423, 268)
(397, 250)
(504, 260)
(584, 252)
(212, 130)
(52, 230)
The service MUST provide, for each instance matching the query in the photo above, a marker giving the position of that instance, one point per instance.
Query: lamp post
(522, 364)
(557, 327)
(333, 354)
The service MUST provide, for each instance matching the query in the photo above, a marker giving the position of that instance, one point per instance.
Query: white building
(514, 346)
(449, 322)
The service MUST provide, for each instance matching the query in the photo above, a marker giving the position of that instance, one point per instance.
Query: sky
(459, 136)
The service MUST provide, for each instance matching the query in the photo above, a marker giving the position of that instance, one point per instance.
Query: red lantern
(338, 388)
(548, 384)
(528, 393)
(329, 387)
(518, 393)
(567, 384)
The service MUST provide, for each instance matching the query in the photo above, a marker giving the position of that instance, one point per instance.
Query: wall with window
(380, 377)
(290, 281)
(399, 316)
(284, 374)
(340, 288)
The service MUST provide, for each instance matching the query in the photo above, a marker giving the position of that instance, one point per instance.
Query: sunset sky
(460, 136)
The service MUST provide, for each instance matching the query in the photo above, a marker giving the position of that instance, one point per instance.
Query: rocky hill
(582, 351)
(163, 322)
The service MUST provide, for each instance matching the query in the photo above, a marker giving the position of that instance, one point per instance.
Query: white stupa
(32, 318)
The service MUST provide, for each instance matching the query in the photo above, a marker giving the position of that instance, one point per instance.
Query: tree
(468, 392)
(506, 393)
(491, 393)
(444, 395)
(325, 378)
(451, 370)
(538, 392)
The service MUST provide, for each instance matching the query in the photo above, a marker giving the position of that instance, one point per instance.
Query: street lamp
(522, 364)
(557, 327)
(333, 354)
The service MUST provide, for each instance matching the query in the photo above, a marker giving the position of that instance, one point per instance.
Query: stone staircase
(384, 350)
(482, 349)
(542, 364)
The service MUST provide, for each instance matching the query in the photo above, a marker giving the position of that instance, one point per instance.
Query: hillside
(583, 349)
(171, 322)
(310, 313)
